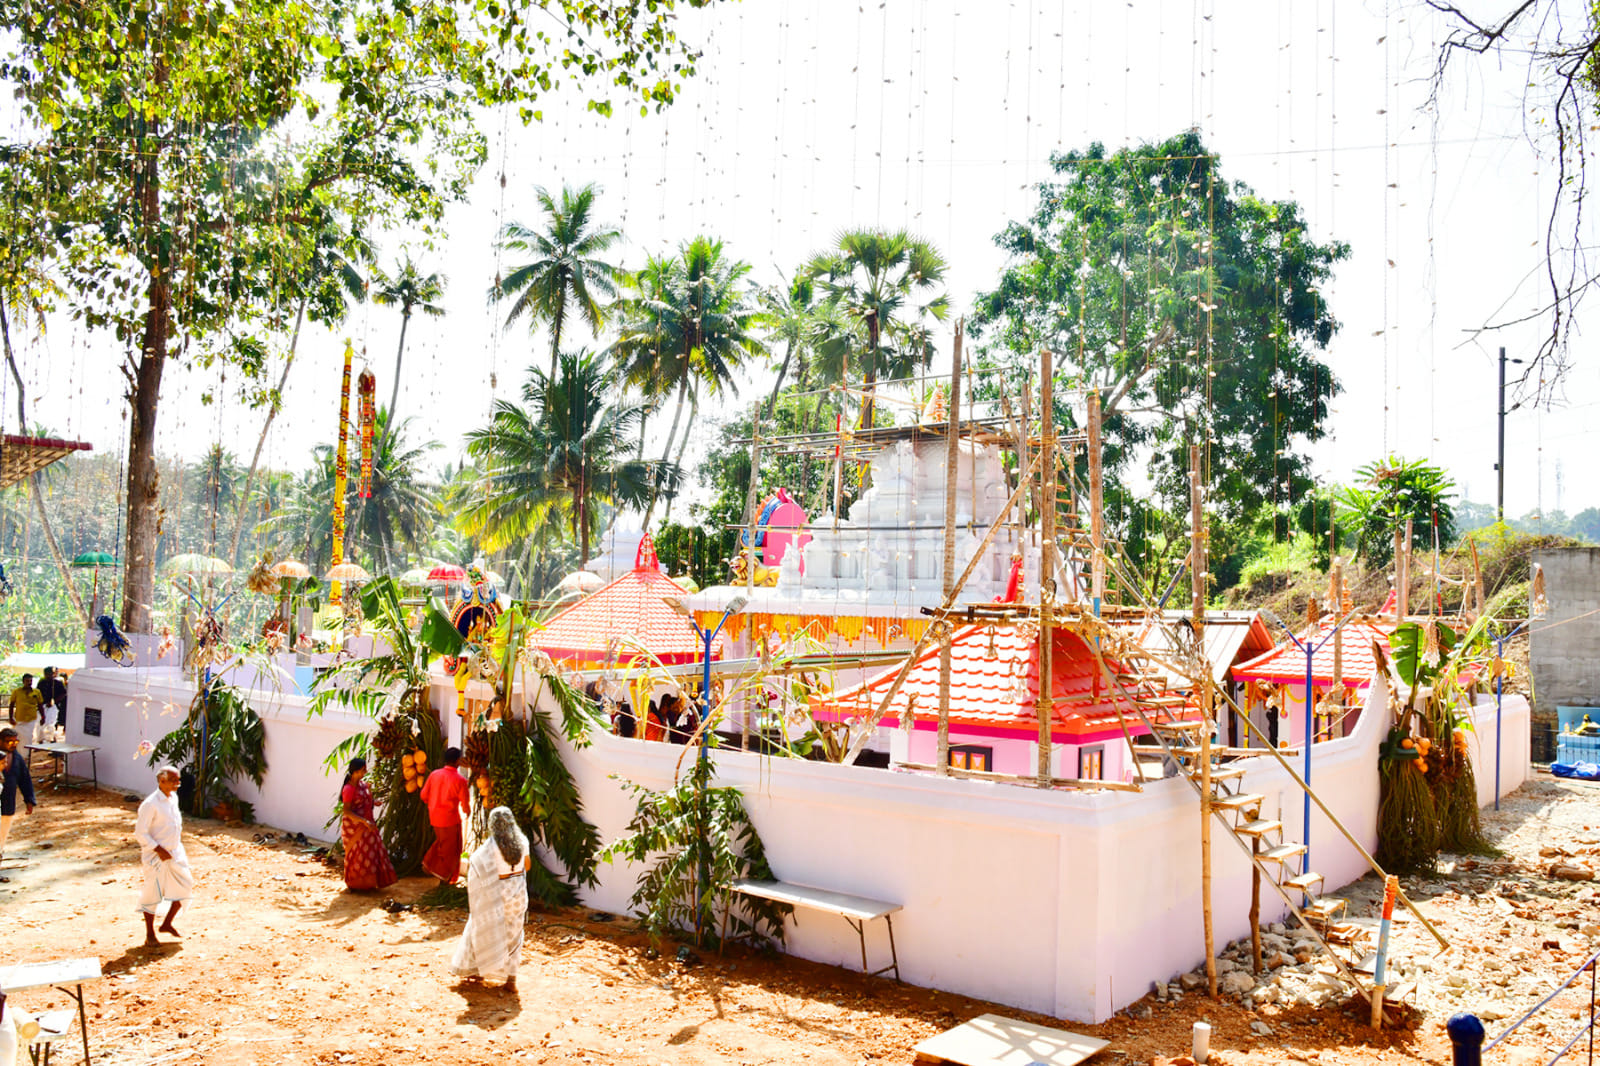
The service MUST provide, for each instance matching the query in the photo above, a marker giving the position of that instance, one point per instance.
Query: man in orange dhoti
(446, 795)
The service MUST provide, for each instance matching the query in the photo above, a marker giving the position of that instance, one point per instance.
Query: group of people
(672, 718)
(31, 706)
(497, 888)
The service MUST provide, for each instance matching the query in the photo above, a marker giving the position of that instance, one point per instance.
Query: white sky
(812, 115)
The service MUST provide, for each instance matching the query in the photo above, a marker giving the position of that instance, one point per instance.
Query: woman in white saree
(497, 898)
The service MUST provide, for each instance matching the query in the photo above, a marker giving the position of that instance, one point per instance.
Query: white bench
(856, 910)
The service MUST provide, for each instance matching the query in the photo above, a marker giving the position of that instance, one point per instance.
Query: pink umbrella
(447, 574)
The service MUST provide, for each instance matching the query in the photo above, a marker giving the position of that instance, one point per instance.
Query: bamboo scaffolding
(951, 456)
(1043, 705)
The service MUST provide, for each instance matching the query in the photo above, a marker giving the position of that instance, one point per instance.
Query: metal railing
(1466, 1031)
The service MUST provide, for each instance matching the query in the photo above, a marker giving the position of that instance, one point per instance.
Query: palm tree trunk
(683, 445)
(672, 435)
(38, 483)
(555, 336)
(394, 393)
(772, 404)
(261, 441)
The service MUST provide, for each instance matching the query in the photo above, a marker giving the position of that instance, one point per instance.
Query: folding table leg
(894, 956)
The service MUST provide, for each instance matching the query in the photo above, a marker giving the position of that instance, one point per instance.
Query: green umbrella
(94, 560)
(416, 577)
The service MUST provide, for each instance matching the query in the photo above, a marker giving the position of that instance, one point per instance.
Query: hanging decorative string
(367, 388)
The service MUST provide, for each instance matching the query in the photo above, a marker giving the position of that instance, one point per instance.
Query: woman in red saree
(366, 863)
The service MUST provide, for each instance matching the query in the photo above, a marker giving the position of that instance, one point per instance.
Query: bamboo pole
(951, 457)
(1202, 675)
(1045, 706)
(1404, 570)
(336, 588)
(1097, 528)
(1255, 906)
(750, 513)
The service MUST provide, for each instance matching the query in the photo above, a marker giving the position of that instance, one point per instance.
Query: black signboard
(91, 721)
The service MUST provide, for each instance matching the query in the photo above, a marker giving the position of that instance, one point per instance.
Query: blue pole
(1305, 818)
(705, 753)
(1466, 1040)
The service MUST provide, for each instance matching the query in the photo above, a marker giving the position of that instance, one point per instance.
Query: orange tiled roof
(1287, 662)
(994, 682)
(630, 609)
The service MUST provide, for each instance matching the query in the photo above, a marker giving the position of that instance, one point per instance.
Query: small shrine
(625, 618)
(1275, 683)
(994, 692)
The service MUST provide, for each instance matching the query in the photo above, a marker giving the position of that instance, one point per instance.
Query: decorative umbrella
(351, 572)
(291, 568)
(447, 574)
(414, 577)
(94, 560)
(494, 579)
(580, 581)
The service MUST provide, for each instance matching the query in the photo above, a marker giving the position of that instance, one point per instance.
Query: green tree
(1586, 524)
(561, 455)
(690, 321)
(882, 290)
(1387, 494)
(160, 152)
(1192, 306)
(566, 271)
(412, 291)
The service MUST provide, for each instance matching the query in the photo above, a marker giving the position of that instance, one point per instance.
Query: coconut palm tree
(566, 272)
(411, 291)
(690, 321)
(887, 288)
(559, 457)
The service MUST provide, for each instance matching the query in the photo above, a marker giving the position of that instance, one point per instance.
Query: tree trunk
(556, 321)
(777, 386)
(261, 441)
(144, 395)
(683, 445)
(672, 435)
(38, 484)
(581, 498)
(394, 393)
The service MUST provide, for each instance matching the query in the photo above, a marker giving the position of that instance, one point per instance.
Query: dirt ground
(280, 964)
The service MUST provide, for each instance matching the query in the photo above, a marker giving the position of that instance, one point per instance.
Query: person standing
(366, 862)
(447, 796)
(14, 777)
(26, 704)
(497, 902)
(53, 691)
(167, 877)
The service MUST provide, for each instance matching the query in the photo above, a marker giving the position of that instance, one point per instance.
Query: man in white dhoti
(497, 899)
(159, 831)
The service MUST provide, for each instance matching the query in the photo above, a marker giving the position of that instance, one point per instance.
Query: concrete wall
(1509, 729)
(137, 705)
(1066, 903)
(1564, 648)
